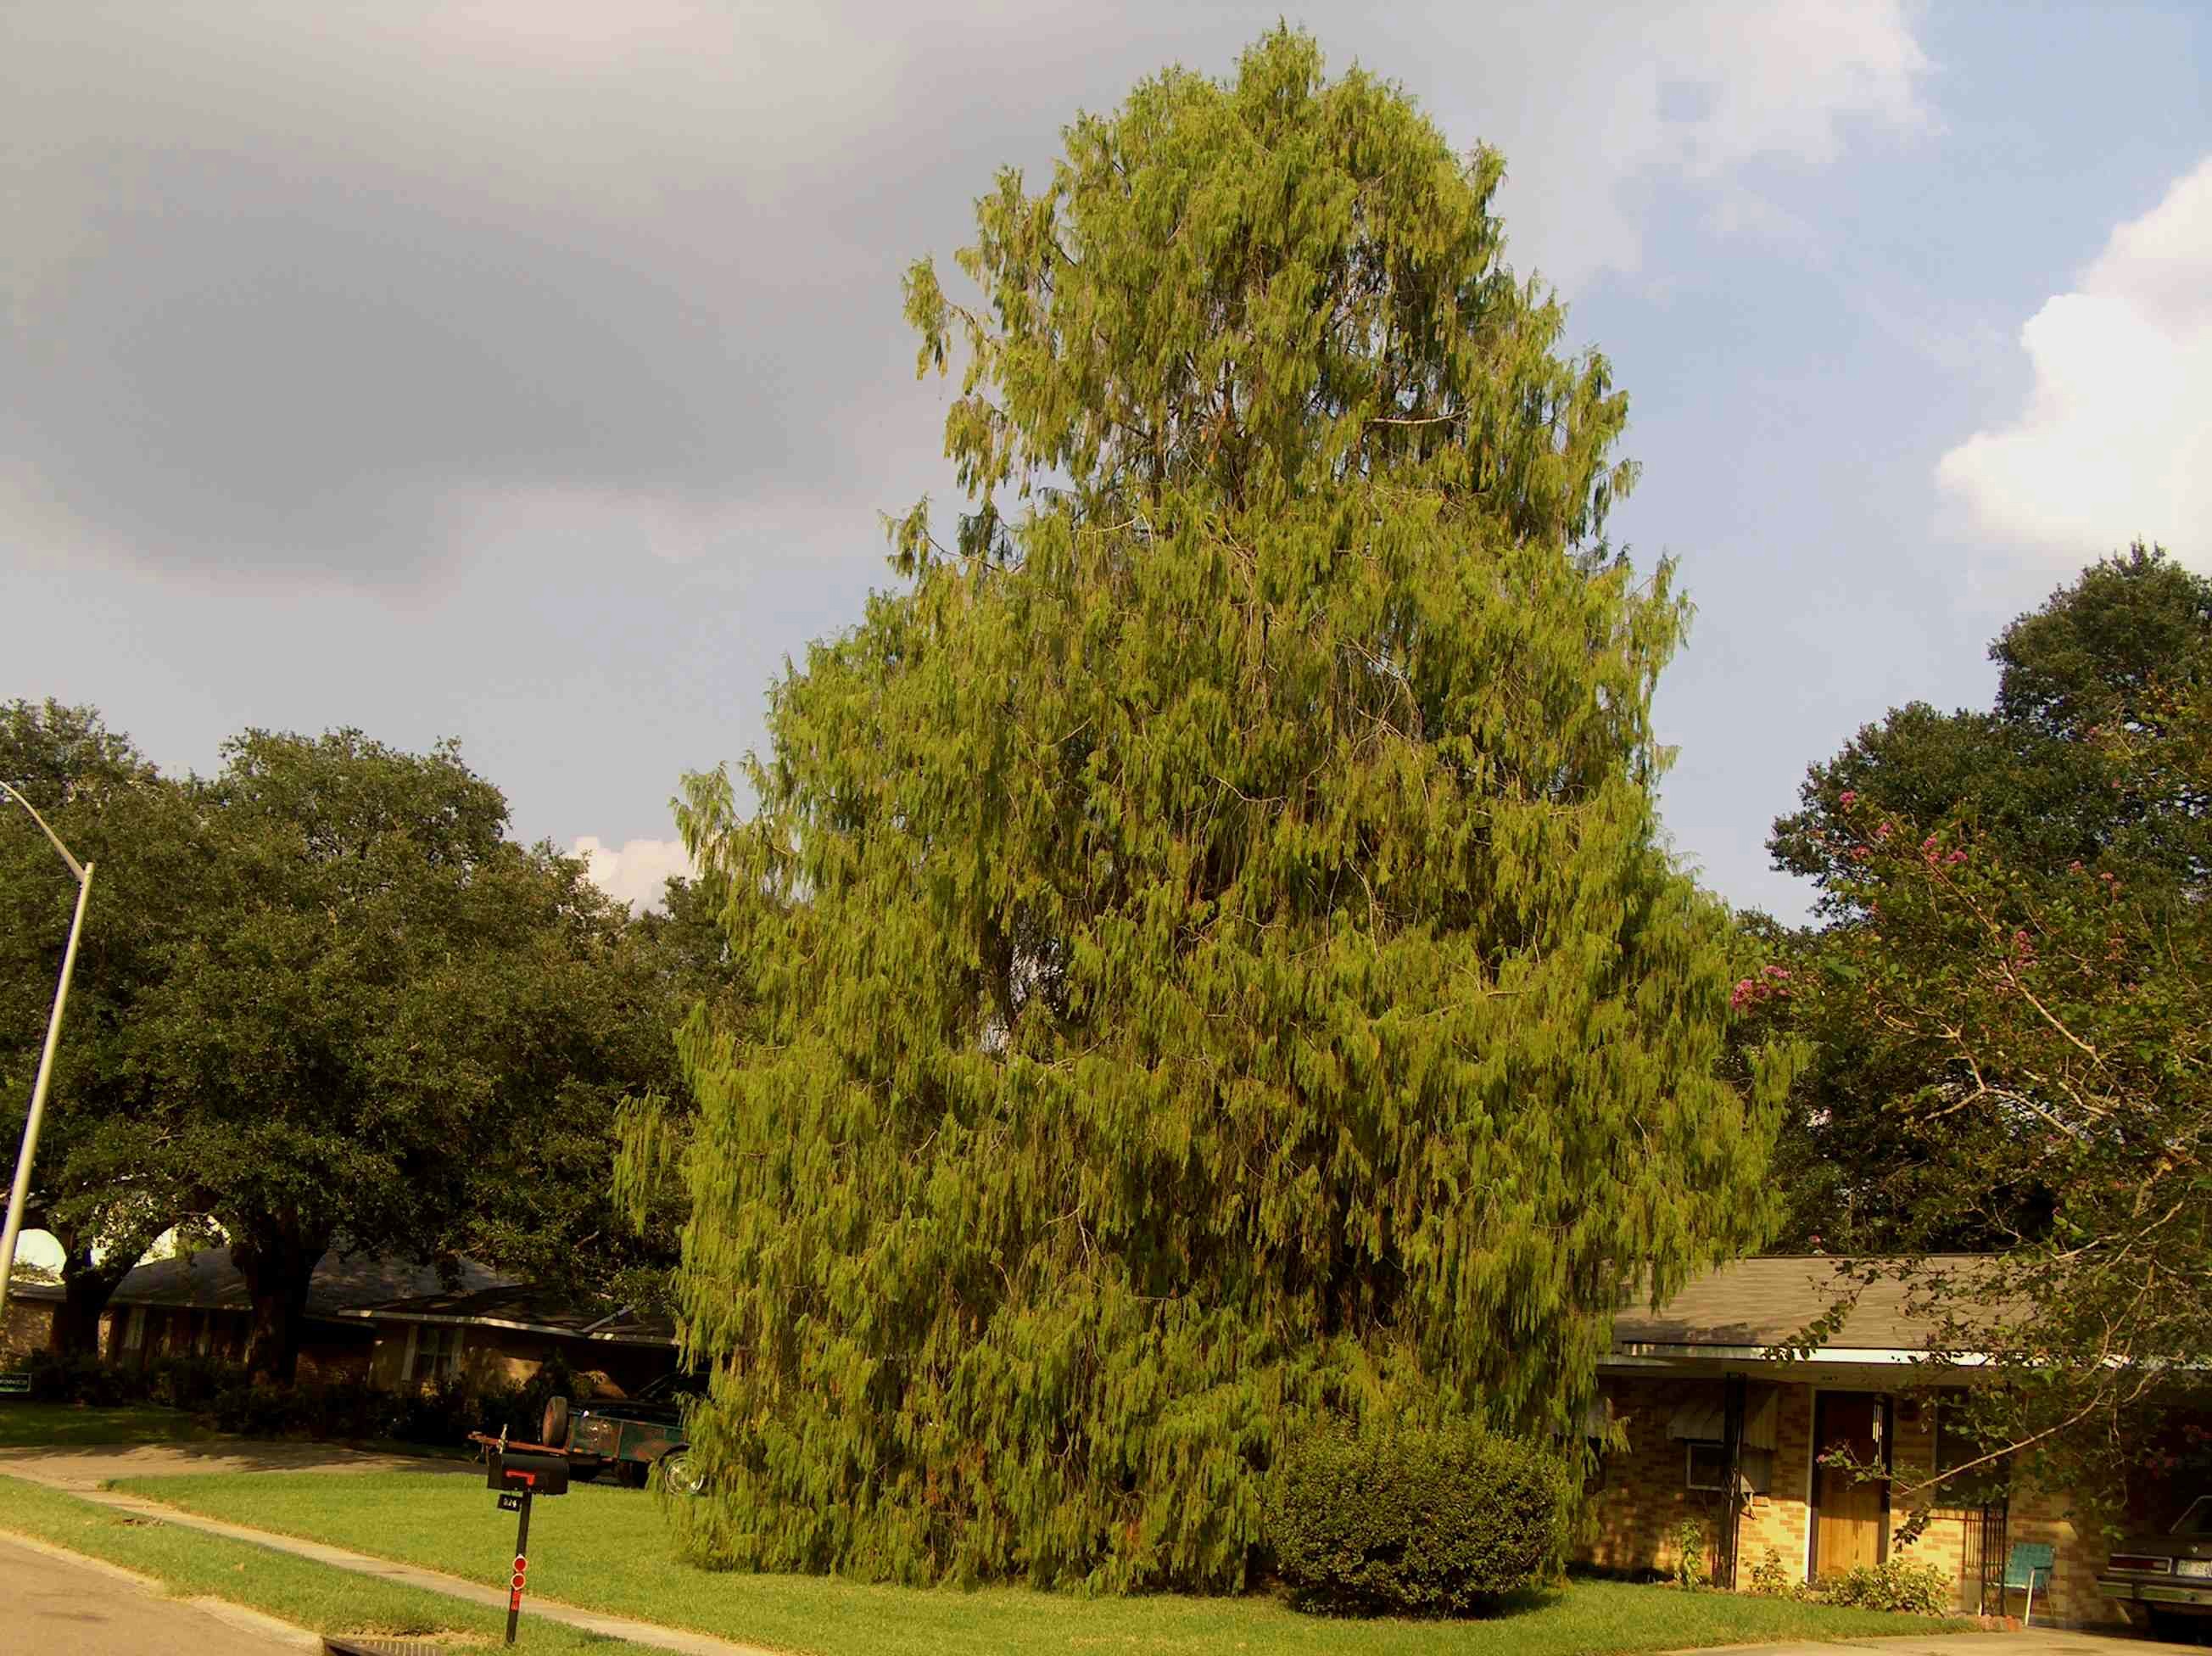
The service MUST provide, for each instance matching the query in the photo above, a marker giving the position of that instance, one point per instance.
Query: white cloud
(636, 872)
(1698, 89)
(2115, 440)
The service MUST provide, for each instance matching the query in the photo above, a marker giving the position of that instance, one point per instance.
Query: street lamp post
(19, 1194)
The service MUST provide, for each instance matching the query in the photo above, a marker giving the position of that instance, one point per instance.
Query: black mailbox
(523, 1471)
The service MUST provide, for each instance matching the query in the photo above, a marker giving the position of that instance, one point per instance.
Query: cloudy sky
(530, 371)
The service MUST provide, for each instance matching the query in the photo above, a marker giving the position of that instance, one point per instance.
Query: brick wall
(1631, 1518)
(29, 1328)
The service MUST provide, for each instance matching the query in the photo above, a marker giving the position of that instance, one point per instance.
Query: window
(1708, 1467)
(1955, 1447)
(433, 1353)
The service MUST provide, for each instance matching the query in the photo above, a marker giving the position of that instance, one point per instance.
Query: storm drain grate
(336, 1644)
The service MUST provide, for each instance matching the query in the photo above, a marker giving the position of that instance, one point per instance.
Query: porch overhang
(1844, 1365)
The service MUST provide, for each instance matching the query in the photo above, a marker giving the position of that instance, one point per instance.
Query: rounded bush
(1423, 1523)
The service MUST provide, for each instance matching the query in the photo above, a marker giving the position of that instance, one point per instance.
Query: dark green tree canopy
(324, 1001)
(2108, 653)
(1207, 960)
(2121, 654)
(104, 1182)
(388, 1027)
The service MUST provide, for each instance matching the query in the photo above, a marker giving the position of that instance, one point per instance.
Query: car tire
(678, 1474)
(632, 1474)
(553, 1427)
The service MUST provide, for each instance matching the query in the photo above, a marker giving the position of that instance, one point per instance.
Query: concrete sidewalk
(61, 1605)
(80, 1471)
(647, 1633)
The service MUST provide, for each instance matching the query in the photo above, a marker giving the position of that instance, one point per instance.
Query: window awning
(1704, 1418)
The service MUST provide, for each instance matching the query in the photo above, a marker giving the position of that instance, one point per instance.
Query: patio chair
(2027, 1560)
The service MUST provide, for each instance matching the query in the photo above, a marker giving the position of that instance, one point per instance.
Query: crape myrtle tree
(1210, 967)
(2011, 997)
(2108, 653)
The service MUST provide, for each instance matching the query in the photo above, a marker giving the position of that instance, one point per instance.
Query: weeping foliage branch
(1209, 963)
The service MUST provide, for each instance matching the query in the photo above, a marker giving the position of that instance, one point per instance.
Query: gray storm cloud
(314, 291)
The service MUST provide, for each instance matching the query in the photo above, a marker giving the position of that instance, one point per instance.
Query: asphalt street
(57, 1608)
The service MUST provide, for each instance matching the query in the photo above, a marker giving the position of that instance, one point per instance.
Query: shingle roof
(514, 1305)
(1767, 1302)
(207, 1281)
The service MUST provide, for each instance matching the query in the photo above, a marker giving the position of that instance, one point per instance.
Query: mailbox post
(519, 1475)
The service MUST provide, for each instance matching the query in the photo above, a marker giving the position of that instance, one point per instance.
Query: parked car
(635, 1438)
(2164, 1581)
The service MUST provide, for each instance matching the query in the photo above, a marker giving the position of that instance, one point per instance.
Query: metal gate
(1995, 1546)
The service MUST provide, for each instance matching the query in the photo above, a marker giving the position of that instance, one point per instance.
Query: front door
(1851, 1516)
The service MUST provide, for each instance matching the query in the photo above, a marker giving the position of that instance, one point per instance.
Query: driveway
(60, 1607)
(89, 1465)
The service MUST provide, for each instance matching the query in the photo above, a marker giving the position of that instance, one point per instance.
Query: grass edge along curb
(190, 1563)
(607, 1551)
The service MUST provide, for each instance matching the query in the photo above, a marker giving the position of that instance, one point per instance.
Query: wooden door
(1851, 1518)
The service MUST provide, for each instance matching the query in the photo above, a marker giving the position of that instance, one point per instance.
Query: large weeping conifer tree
(1211, 964)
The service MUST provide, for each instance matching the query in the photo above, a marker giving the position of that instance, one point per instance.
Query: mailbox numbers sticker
(510, 1503)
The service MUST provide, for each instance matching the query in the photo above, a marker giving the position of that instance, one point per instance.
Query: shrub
(1690, 1571)
(1417, 1523)
(1901, 1584)
(77, 1379)
(191, 1382)
(1771, 1577)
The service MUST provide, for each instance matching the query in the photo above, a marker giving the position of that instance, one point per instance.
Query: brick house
(1692, 1387)
(393, 1322)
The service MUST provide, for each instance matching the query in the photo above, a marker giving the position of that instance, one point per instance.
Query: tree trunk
(86, 1289)
(278, 1265)
(85, 1295)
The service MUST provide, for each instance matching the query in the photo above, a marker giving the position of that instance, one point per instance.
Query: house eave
(1630, 1356)
(373, 1315)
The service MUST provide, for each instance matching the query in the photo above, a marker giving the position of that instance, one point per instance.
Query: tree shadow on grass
(87, 1464)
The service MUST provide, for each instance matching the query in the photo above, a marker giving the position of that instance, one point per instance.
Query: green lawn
(607, 1549)
(191, 1564)
(64, 1425)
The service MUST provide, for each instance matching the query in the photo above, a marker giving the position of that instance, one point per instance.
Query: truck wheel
(553, 1429)
(679, 1475)
(631, 1474)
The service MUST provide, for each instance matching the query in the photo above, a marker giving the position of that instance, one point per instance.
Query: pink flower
(1954, 858)
(1859, 854)
(1847, 798)
(2075, 867)
(1883, 832)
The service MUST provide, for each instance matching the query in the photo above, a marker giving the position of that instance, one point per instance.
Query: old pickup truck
(636, 1439)
(2163, 1580)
